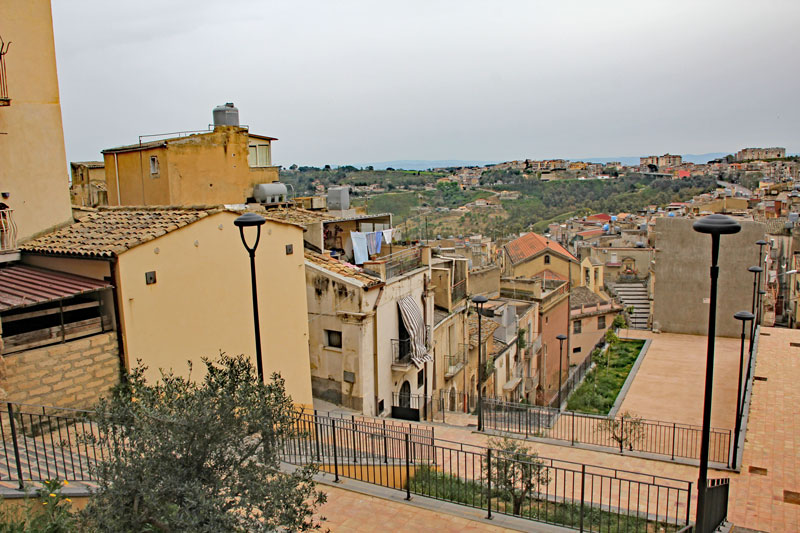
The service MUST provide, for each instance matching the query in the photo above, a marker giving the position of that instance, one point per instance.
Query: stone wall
(73, 374)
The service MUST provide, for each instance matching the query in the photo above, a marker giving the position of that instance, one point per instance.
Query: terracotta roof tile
(532, 244)
(110, 231)
(341, 268)
(488, 328)
(296, 215)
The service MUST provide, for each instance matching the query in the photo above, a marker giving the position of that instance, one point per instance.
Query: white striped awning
(415, 325)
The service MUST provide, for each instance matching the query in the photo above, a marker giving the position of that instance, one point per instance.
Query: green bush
(602, 384)
(52, 515)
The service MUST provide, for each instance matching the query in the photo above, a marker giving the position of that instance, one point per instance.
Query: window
(421, 378)
(576, 326)
(258, 155)
(547, 260)
(333, 339)
(576, 350)
(154, 166)
(601, 322)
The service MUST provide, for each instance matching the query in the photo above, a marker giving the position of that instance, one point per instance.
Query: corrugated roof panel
(24, 285)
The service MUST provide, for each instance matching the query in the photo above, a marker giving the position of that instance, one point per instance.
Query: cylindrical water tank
(226, 115)
(270, 193)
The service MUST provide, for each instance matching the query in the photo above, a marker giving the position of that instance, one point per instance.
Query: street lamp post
(561, 338)
(714, 225)
(761, 243)
(479, 300)
(744, 316)
(756, 270)
(245, 221)
(760, 306)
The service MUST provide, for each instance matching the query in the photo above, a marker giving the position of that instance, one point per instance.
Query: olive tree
(516, 472)
(625, 430)
(199, 455)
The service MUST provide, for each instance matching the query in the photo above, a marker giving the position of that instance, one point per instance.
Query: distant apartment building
(216, 167)
(746, 154)
(661, 161)
(591, 316)
(536, 256)
(88, 184)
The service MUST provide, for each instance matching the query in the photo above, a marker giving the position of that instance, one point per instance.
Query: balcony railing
(454, 363)
(4, 99)
(401, 352)
(8, 231)
(401, 262)
(458, 291)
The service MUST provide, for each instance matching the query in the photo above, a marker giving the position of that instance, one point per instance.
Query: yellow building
(533, 255)
(592, 274)
(33, 162)
(182, 286)
(213, 168)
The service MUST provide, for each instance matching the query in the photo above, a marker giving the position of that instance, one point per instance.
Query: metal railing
(716, 504)
(579, 496)
(458, 291)
(410, 401)
(8, 231)
(4, 99)
(454, 363)
(667, 439)
(403, 261)
(572, 382)
(401, 351)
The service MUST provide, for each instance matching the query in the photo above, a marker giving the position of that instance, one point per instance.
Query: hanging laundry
(360, 252)
(378, 240)
(371, 243)
(387, 235)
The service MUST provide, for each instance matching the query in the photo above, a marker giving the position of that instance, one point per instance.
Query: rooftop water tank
(339, 198)
(226, 115)
(270, 193)
(605, 227)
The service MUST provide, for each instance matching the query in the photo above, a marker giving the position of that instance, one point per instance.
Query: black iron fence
(580, 496)
(572, 382)
(403, 261)
(716, 503)
(41, 443)
(667, 439)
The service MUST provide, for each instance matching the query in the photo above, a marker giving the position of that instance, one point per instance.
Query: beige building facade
(33, 172)
(182, 287)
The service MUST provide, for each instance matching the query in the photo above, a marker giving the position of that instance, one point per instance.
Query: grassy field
(602, 384)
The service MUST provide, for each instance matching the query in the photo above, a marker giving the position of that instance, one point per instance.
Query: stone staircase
(635, 295)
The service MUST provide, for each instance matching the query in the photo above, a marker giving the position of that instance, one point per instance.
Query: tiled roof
(532, 244)
(549, 274)
(488, 328)
(112, 230)
(600, 216)
(88, 164)
(579, 296)
(341, 268)
(591, 232)
(296, 215)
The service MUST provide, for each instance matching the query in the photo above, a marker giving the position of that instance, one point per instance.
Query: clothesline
(368, 243)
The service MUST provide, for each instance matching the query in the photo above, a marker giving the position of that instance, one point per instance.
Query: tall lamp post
(561, 338)
(714, 225)
(479, 300)
(744, 316)
(246, 221)
(761, 243)
(756, 270)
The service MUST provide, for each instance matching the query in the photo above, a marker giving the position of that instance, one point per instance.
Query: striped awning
(24, 285)
(415, 325)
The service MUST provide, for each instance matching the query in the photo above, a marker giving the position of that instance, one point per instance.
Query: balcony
(5, 101)
(458, 291)
(454, 363)
(401, 262)
(8, 234)
(401, 354)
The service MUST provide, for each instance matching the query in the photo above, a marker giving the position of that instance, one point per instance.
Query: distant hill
(422, 164)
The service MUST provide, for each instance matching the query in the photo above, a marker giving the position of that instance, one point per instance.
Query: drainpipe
(123, 368)
(425, 282)
(375, 347)
(116, 175)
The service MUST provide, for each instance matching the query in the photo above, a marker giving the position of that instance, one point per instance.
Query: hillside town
(583, 344)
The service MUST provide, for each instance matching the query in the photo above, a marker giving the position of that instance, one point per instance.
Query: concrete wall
(554, 321)
(73, 374)
(207, 169)
(682, 283)
(201, 301)
(33, 163)
(485, 281)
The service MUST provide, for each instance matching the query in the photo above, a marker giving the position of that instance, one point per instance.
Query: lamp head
(744, 316)
(717, 225)
(761, 242)
(762, 292)
(480, 299)
(561, 337)
(755, 269)
(249, 219)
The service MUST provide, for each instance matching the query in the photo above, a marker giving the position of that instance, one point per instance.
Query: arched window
(405, 394)
(546, 259)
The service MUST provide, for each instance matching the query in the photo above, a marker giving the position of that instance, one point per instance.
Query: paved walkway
(670, 383)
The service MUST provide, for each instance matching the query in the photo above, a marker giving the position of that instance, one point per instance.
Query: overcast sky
(343, 82)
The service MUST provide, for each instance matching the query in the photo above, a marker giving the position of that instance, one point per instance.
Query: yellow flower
(67, 500)
(44, 503)
(66, 482)
(52, 495)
